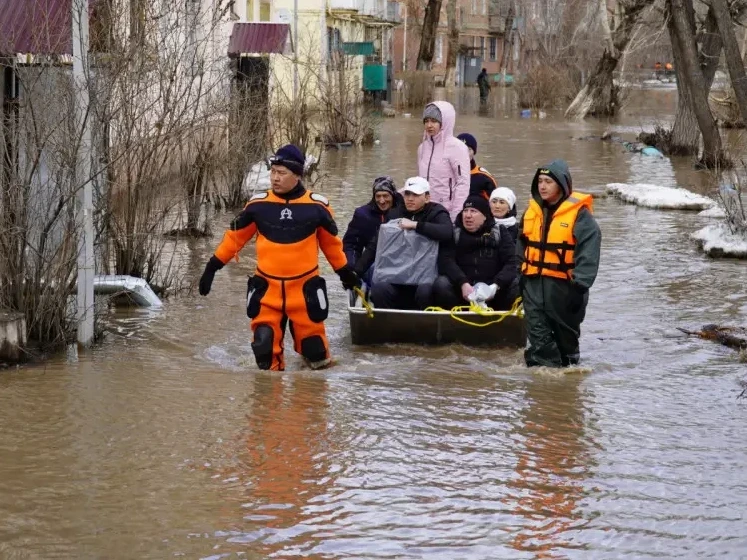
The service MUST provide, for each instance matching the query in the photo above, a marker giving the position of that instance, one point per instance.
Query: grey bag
(404, 256)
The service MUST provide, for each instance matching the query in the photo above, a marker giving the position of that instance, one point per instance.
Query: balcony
(375, 8)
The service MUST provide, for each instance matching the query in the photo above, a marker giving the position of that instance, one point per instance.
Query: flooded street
(165, 441)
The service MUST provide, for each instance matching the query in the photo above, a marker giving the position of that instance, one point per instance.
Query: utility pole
(295, 51)
(81, 74)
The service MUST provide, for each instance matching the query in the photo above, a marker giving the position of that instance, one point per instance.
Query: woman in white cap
(503, 208)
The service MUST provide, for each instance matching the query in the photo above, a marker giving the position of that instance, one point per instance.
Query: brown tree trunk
(693, 77)
(451, 57)
(733, 57)
(599, 97)
(428, 36)
(684, 138)
(508, 36)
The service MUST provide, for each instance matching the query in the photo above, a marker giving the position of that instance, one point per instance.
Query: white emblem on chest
(286, 214)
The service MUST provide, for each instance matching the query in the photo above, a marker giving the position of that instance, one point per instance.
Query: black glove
(349, 278)
(206, 280)
(582, 290)
(577, 302)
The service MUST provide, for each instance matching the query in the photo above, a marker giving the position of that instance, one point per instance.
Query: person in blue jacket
(367, 218)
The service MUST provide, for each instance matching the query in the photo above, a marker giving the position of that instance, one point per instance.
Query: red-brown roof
(258, 38)
(37, 26)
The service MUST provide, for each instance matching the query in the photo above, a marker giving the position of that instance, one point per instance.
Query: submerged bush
(546, 86)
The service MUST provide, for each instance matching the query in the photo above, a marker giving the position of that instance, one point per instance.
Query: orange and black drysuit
(287, 288)
(558, 248)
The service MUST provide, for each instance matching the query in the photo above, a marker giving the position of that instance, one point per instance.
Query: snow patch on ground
(718, 241)
(258, 179)
(714, 211)
(655, 196)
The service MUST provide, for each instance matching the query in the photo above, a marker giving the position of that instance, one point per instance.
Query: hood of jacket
(448, 121)
(558, 170)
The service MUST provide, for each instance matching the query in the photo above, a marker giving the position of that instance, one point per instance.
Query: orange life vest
(552, 255)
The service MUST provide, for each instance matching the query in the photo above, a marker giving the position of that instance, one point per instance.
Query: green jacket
(585, 230)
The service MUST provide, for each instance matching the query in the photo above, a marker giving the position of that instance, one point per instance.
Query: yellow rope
(364, 301)
(516, 309)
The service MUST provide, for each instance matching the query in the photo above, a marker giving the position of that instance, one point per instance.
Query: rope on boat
(369, 308)
(516, 309)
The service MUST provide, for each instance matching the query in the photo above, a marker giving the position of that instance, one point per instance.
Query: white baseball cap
(416, 185)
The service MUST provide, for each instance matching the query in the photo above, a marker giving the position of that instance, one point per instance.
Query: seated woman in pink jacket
(443, 159)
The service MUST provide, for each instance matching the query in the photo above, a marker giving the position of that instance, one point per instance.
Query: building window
(482, 48)
(493, 48)
(474, 7)
(440, 49)
(484, 7)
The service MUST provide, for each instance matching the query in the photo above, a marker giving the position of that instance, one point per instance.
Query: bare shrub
(156, 99)
(344, 116)
(38, 229)
(417, 89)
(546, 86)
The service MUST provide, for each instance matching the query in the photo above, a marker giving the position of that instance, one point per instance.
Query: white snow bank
(257, 179)
(718, 241)
(714, 211)
(655, 196)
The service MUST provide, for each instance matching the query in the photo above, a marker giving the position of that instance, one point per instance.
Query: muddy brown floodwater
(166, 442)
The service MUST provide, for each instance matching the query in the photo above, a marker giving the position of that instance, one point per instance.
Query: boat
(382, 326)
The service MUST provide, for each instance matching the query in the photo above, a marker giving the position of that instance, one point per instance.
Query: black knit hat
(468, 139)
(479, 204)
(291, 157)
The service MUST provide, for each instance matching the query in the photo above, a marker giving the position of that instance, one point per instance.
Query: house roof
(37, 26)
(259, 38)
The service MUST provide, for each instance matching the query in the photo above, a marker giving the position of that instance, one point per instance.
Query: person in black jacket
(482, 251)
(481, 182)
(367, 218)
(424, 217)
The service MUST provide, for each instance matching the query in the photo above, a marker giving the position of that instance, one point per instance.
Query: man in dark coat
(483, 82)
(482, 251)
(427, 218)
(367, 219)
(558, 247)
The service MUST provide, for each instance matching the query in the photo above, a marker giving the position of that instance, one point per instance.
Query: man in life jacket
(481, 183)
(558, 248)
(291, 224)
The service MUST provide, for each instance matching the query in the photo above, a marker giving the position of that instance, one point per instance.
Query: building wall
(476, 37)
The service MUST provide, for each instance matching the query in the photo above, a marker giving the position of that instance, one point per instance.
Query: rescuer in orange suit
(291, 225)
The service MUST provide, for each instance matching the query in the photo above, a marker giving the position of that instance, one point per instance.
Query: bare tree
(720, 11)
(451, 57)
(508, 37)
(428, 34)
(682, 15)
(599, 95)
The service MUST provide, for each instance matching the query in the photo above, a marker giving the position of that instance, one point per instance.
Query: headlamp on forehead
(290, 164)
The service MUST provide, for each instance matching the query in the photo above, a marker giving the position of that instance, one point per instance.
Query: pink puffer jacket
(444, 161)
